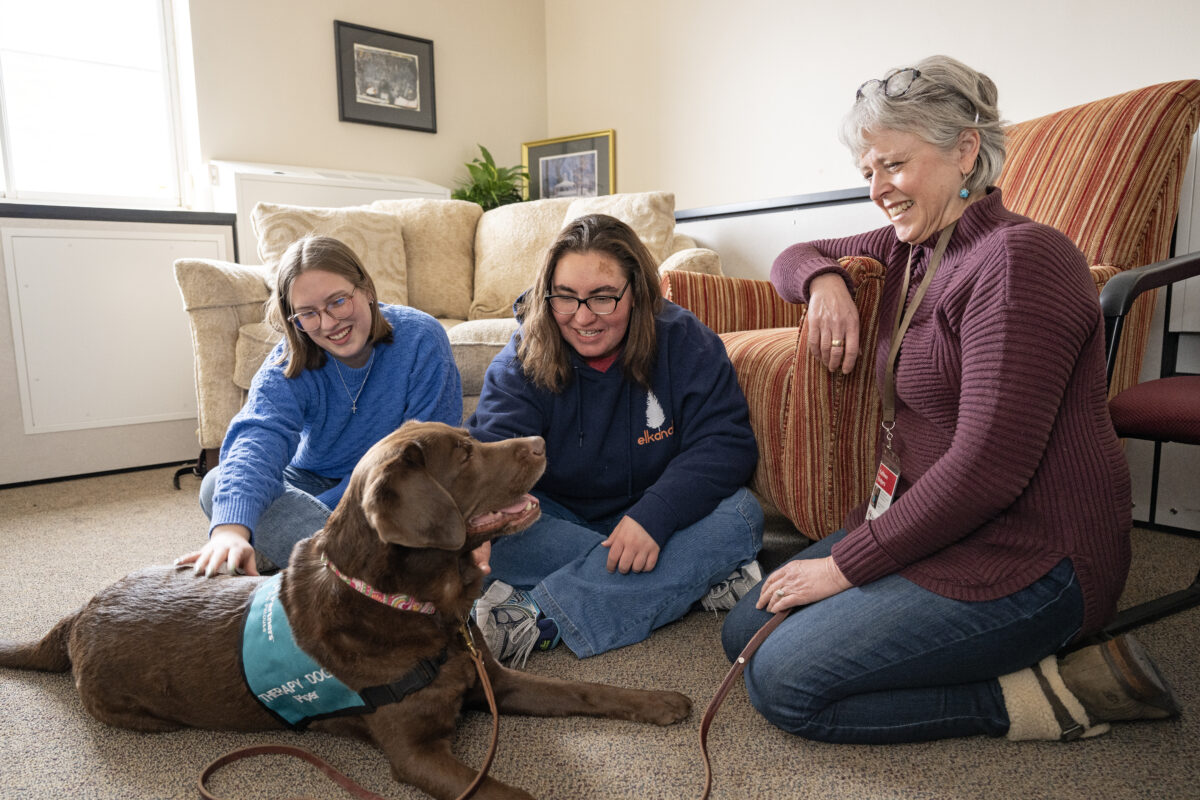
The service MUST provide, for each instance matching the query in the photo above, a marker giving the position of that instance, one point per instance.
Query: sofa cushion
(439, 248)
(474, 345)
(510, 244)
(374, 236)
(650, 214)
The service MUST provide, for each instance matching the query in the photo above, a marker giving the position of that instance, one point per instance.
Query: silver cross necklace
(354, 398)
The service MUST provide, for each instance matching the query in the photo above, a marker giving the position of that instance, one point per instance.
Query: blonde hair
(325, 253)
(544, 355)
(947, 98)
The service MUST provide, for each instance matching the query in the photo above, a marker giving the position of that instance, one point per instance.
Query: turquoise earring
(963, 193)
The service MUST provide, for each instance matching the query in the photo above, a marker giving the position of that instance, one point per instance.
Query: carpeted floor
(60, 542)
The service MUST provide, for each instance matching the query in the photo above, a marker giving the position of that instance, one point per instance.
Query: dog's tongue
(519, 506)
(493, 518)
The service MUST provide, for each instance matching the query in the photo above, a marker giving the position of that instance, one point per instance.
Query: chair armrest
(816, 429)
(219, 298)
(728, 304)
(1121, 290)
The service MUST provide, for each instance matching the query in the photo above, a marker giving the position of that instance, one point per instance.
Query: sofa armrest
(728, 304)
(815, 429)
(692, 259)
(219, 298)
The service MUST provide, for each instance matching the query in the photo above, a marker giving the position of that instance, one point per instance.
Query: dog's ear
(407, 507)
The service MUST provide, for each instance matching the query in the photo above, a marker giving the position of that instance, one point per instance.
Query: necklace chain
(354, 398)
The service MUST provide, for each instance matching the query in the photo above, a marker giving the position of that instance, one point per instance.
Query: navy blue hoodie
(665, 457)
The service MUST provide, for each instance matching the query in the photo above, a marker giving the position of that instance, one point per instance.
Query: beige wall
(266, 87)
(720, 102)
(728, 102)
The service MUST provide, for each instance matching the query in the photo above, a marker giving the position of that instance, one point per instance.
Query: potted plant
(489, 185)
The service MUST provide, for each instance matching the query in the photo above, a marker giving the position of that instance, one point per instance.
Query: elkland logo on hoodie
(655, 418)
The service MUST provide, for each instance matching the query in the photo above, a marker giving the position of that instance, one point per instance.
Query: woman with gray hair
(998, 530)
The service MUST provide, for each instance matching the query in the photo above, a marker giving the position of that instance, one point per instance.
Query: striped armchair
(1108, 174)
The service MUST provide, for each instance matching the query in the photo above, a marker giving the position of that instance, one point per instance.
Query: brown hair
(325, 253)
(544, 355)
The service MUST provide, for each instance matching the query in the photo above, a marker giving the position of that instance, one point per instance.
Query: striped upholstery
(1108, 174)
(730, 305)
(806, 420)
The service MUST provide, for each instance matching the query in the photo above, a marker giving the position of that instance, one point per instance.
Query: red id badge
(887, 477)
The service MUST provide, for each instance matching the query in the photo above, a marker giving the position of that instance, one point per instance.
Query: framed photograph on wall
(571, 166)
(384, 78)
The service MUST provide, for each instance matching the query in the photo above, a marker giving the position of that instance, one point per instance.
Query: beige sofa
(445, 257)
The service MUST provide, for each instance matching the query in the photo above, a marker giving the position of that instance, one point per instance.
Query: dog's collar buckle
(398, 601)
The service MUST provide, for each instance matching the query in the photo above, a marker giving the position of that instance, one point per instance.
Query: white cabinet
(96, 367)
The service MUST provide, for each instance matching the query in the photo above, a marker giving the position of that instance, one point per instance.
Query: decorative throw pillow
(439, 248)
(510, 244)
(374, 236)
(650, 214)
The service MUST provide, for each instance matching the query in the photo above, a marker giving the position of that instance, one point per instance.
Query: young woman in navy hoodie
(648, 447)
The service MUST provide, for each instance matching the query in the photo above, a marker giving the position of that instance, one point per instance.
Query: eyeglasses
(599, 304)
(338, 308)
(894, 85)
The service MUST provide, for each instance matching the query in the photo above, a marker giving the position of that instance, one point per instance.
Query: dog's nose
(537, 445)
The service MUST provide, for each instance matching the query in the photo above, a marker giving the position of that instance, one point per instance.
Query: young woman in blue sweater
(348, 372)
(648, 447)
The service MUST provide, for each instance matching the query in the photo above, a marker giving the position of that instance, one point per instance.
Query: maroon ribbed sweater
(1008, 454)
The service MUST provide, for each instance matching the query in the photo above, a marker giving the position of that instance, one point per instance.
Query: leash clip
(468, 637)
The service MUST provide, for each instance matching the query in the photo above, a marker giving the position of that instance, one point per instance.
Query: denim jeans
(560, 557)
(296, 514)
(891, 662)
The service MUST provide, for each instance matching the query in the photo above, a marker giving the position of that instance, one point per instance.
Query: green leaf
(491, 186)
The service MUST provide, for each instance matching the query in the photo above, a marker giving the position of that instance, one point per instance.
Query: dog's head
(428, 485)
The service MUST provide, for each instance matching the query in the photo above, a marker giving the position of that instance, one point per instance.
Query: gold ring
(836, 343)
(780, 593)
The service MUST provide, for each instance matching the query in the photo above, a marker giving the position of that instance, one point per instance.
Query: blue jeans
(561, 559)
(296, 514)
(891, 662)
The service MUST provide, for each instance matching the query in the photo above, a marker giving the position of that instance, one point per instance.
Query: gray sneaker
(725, 595)
(512, 624)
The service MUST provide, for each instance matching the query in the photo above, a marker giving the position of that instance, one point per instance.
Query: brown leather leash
(342, 780)
(734, 673)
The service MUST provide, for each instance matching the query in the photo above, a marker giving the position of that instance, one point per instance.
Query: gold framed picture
(584, 165)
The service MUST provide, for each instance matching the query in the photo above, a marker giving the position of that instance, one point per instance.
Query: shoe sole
(1131, 665)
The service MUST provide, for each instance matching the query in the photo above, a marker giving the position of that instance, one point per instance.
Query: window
(88, 108)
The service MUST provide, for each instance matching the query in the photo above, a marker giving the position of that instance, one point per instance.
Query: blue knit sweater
(306, 421)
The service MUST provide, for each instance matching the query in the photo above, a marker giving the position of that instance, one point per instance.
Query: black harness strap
(414, 680)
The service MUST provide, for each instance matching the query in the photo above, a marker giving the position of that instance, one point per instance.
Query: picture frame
(384, 78)
(584, 165)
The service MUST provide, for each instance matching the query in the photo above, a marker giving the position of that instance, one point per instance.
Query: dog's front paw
(667, 708)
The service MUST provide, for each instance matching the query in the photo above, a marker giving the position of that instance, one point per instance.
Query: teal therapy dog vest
(294, 687)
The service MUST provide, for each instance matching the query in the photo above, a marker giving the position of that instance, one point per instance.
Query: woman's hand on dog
(228, 550)
(630, 548)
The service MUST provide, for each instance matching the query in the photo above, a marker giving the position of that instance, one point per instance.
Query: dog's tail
(49, 655)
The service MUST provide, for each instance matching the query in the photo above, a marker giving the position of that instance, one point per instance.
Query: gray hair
(947, 98)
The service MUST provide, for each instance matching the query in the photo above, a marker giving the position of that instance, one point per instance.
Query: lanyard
(902, 322)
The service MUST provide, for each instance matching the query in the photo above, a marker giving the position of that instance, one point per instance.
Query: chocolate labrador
(375, 602)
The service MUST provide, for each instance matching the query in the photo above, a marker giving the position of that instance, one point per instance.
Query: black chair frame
(1116, 299)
